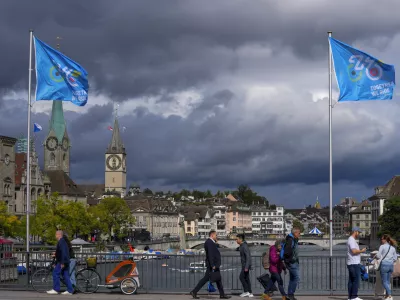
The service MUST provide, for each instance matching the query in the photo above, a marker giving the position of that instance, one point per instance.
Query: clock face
(113, 162)
(51, 143)
(65, 144)
(7, 159)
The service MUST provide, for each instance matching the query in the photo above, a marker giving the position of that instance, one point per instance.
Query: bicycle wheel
(87, 281)
(129, 286)
(42, 280)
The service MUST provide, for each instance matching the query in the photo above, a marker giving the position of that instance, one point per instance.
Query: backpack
(282, 253)
(265, 258)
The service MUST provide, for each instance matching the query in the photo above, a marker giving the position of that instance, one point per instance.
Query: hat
(356, 229)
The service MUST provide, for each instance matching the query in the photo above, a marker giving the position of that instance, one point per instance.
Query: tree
(10, 226)
(113, 215)
(298, 224)
(219, 194)
(247, 195)
(389, 221)
(208, 194)
(147, 191)
(54, 214)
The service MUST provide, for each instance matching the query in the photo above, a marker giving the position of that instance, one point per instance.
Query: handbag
(378, 263)
(215, 276)
(396, 269)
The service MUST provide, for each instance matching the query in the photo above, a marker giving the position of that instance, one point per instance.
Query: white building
(220, 217)
(266, 221)
(382, 193)
(206, 222)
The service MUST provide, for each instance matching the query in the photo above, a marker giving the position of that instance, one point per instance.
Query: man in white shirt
(353, 263)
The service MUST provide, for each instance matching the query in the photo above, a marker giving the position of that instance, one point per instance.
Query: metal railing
(176, 273)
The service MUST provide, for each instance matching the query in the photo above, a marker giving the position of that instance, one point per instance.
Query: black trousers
(245, 279)
(206, 279)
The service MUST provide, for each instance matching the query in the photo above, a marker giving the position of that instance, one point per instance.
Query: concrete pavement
(8, 295)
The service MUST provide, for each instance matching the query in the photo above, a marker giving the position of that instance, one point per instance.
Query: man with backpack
(290, 255)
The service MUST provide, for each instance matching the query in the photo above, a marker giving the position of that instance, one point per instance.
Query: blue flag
(37, 127)
(361, 76)
(59, 77)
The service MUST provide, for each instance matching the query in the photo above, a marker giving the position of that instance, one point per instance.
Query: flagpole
(28, 159)
(330, 163)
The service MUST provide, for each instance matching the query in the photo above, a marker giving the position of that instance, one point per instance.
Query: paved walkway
(8, 295)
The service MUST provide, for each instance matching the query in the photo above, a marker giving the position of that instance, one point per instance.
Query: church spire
(116, 145)
(57, 122)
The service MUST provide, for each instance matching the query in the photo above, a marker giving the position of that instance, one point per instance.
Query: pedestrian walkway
(14, 295)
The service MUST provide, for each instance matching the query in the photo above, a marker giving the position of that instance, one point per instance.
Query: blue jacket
(62, 252)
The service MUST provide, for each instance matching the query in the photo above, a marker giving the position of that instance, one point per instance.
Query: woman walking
(387, 256)
(275, 268)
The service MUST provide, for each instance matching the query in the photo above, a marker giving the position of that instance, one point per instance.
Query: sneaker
(247, 294)
(251, 295)
(52, 292)
(66, 293)
(265, 297)
(358, 298)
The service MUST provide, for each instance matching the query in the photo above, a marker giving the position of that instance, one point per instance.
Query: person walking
(387, 256)
(72, 262)
(245, 259)
(275, 268)
(353, 263)
(61, 267)
(291, 260)
(213, 264)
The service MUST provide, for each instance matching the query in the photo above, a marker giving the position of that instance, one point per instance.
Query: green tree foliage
(389, 221)
(147, 191)
(249, 197)
(53, 213)
(298, 224)
(10, 226)
(113, 215)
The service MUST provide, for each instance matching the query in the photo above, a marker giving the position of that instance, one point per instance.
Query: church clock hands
(113, 162)
(51, 143)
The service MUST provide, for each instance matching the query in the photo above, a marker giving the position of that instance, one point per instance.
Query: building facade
(382, 193)
(238, 219)
(268, 222)
(360, 216)
(158, 216)
(7, 171)
(115, 163)
(220, 217)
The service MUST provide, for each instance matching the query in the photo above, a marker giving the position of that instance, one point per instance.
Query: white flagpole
(28, 159)
(330, 162)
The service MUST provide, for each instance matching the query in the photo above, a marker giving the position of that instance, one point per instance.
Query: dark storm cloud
(133, 48)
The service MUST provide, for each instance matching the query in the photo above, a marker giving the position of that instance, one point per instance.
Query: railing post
(27, 270)
(330, 275)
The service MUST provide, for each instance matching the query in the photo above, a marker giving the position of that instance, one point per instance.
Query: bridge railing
(176, 273)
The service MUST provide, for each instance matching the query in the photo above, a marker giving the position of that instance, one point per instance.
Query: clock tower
(57, 144)
(115, 163)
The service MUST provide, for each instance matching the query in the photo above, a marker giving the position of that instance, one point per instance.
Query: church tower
(115, 163)
(57, 144)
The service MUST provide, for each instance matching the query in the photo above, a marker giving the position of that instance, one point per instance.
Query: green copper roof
(57, 122)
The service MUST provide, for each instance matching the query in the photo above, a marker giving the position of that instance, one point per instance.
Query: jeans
(245, 279)
(71, 270)
(354, 280)
(57, 272)
(206, 279)
(294, 278)
(275, 277)
(386, 273)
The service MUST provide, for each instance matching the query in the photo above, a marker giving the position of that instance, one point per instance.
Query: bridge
(229, 243)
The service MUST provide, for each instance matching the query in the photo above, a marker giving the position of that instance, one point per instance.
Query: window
(52, 159)
(234, 219)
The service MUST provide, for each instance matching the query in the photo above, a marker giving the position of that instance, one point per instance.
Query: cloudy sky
(213, 93)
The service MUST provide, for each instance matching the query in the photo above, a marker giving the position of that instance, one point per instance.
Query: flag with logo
(58, 77)
(361, 76)
(37, 127)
